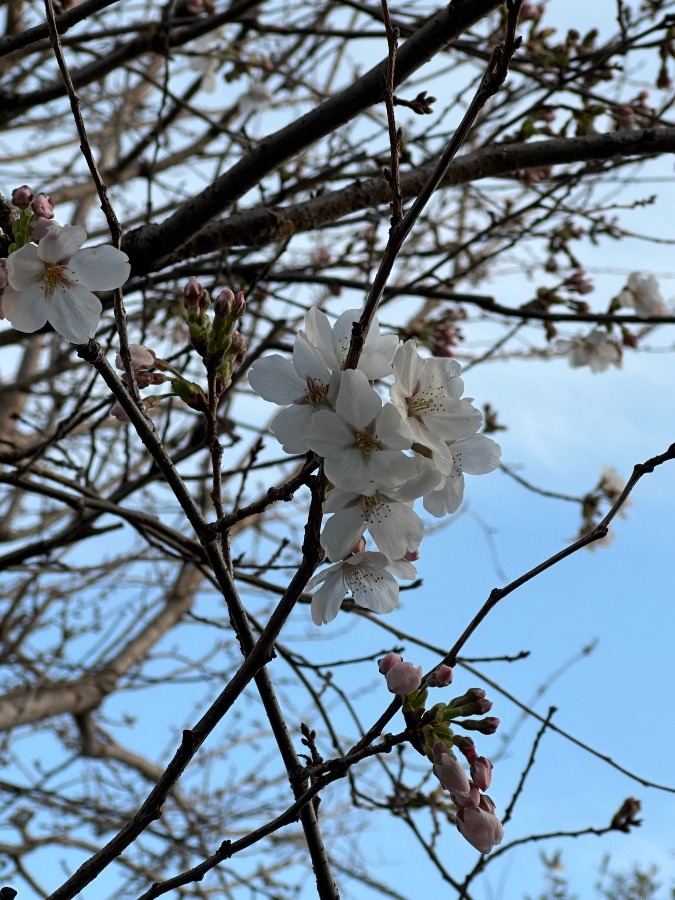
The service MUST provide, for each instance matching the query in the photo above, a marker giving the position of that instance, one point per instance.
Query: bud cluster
(432, 735)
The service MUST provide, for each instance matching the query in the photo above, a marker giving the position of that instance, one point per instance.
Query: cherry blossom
(643, 293)
(475, 455)
(332, 342)
(362, 441)
(367, 575)
(53, 282)
(304, 383)
(427, 393)
(481, 828)
(595, 350)
(404, 678)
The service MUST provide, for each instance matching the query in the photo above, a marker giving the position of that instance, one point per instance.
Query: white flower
(53, 282)
(427, 394)
(643, 293)
(332, 342)
(362, 441)
(305, 383)
(368, 578)
(394, 525)
(595, 350)
(475, 455)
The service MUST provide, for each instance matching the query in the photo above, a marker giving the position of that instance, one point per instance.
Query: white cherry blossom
(475, 455)
(427, 393)
(362, 441)
(304, 383)
(53, 282)
(332, 342)
(643, 293)
(393, 524)
(595, 350)
(366, 575)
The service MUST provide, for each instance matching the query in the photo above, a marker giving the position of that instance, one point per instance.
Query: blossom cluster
(48, 277)
(379, 455)
(434, 737)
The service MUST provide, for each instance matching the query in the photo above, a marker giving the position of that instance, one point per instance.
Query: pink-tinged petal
(60, 243)
(308, 362)
(357, 402)
(274, 378)
(74, 313)
(290, 426)
(24, 267)
(101, 268)
(27, 310)
(342, 532)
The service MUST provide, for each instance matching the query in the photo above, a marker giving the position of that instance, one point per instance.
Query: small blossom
(403, 678)
(141, 358)
(579, 282)
(643, 293)
(595, 350)
(53, 282)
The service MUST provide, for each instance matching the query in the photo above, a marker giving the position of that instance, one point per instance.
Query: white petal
(60, 243)
(308, 361)
(402, 569)
(74, 313)
(357, 401)
(327, 600)
(390, 468)
(329, 435)
(446, 500)
(396, 529)
(350, 471)
(380, 595)
(320, 334)
(290, 425)
(274, 378)
(391, 429)
(342, 531)
(477, 455)
(27, 310)
(101, 268)
(25, 268)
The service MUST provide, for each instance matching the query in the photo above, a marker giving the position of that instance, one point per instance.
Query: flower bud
(39, 228)
(469, 799)
(451, 774)
(388, 662)
(488, 725)
(441, 677)
(141, 357)
(403, 678)
(22, 196)
(481, 772)
(42, 206)
(480, 828)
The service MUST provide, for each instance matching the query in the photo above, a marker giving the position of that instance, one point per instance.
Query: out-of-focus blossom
(43, 206)
(22, 196)
(596, 350)
(643, 293)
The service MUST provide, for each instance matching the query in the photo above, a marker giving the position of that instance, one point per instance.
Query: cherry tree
(261, 264)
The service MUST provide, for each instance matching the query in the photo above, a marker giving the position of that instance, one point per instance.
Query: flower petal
(25, 310)
(60, 243)
(274, 378)
(74, 312)
(24, 267)
(101, 268)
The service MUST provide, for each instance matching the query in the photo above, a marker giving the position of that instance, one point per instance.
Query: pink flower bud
(141, 357)
(239, 346)
(451, 774)
(388, 662)
(412, 556)
(117, 412)
(22, 196)
(42, 206)
(403, 678)
(466, 746)
(480, 828)
(469, 799)
(481, 772)
(441, 677)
